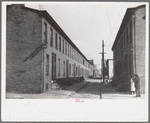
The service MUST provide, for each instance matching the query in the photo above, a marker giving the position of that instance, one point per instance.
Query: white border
(68, 110)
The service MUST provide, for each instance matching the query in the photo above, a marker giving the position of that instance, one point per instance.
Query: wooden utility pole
(101, 84)
(103, 59)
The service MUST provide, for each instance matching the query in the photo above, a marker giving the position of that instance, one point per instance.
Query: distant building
(91, 62)
(105, 69)
(129, 48)
(38, 51)
(94, 69)
(109, 66)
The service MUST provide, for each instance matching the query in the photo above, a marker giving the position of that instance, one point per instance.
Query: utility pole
(101, 87)
(103, 59)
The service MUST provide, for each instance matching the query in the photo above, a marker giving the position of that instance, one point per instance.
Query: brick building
(38, 51)
(129, 48)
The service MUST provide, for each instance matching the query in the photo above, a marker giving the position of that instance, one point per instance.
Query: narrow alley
(90, 89)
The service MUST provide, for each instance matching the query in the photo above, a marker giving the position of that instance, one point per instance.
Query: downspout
(42, 85)
(134, 47)
(42, 71)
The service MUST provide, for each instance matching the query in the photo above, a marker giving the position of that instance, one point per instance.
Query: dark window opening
(56, 41)
(60, 44)
(63, 47)
(51, 37)
(45, 32)
(47, 65)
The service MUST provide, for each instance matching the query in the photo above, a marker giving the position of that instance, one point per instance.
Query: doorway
(53, 66)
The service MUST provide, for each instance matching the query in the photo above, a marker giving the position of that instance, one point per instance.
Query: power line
(110, 27)
(92, 52)
(108, 17)
(115, 23)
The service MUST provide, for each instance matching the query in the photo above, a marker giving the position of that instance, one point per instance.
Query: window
(53, 66)
(131, 31)
(47, 65)
(70, 52)
(127, 35)
(58, 67)
(51, 36)
(56, 41)
(70, 69)
(60, 44)
(73, 53)
(76, 70)
(66, 48)
(45, 32)
(83, 61)
(79, 70)
(64, 68)
(63, 47)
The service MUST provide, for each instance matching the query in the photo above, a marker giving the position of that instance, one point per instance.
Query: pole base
(100, 97)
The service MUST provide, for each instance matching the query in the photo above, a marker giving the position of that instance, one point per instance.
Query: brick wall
(23, 50)
(140, 35)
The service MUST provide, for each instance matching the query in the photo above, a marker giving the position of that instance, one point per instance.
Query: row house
(129, 48)
(39, 51)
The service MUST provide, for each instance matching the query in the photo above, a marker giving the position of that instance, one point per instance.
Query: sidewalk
(111, 93)
(65, 93)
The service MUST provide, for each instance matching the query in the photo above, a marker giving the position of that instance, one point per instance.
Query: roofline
(127, 14)
(46, 15)
(49, 18)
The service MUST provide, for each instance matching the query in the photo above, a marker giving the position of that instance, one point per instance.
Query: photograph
(76, 53)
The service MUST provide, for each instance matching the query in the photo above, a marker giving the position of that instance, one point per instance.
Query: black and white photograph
(75, 61)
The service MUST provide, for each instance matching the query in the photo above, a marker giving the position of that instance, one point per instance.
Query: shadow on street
(92, 86)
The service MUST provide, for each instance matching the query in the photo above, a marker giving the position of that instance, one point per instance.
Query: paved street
(90, 89)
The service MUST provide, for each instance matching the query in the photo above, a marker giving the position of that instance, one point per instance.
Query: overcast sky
(88, 23)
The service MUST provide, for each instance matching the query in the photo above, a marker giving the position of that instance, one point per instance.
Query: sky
(88, 23)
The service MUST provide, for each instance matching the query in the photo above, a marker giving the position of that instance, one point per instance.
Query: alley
(90, 89)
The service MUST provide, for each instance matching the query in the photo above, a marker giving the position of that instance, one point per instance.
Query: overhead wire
(115, 23)
(110, 27)
(108, 17)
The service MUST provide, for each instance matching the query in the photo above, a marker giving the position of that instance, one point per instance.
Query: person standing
(106, 80)
(137, 85)
(132, 86)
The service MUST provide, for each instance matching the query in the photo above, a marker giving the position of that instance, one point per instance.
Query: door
(53, 66)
